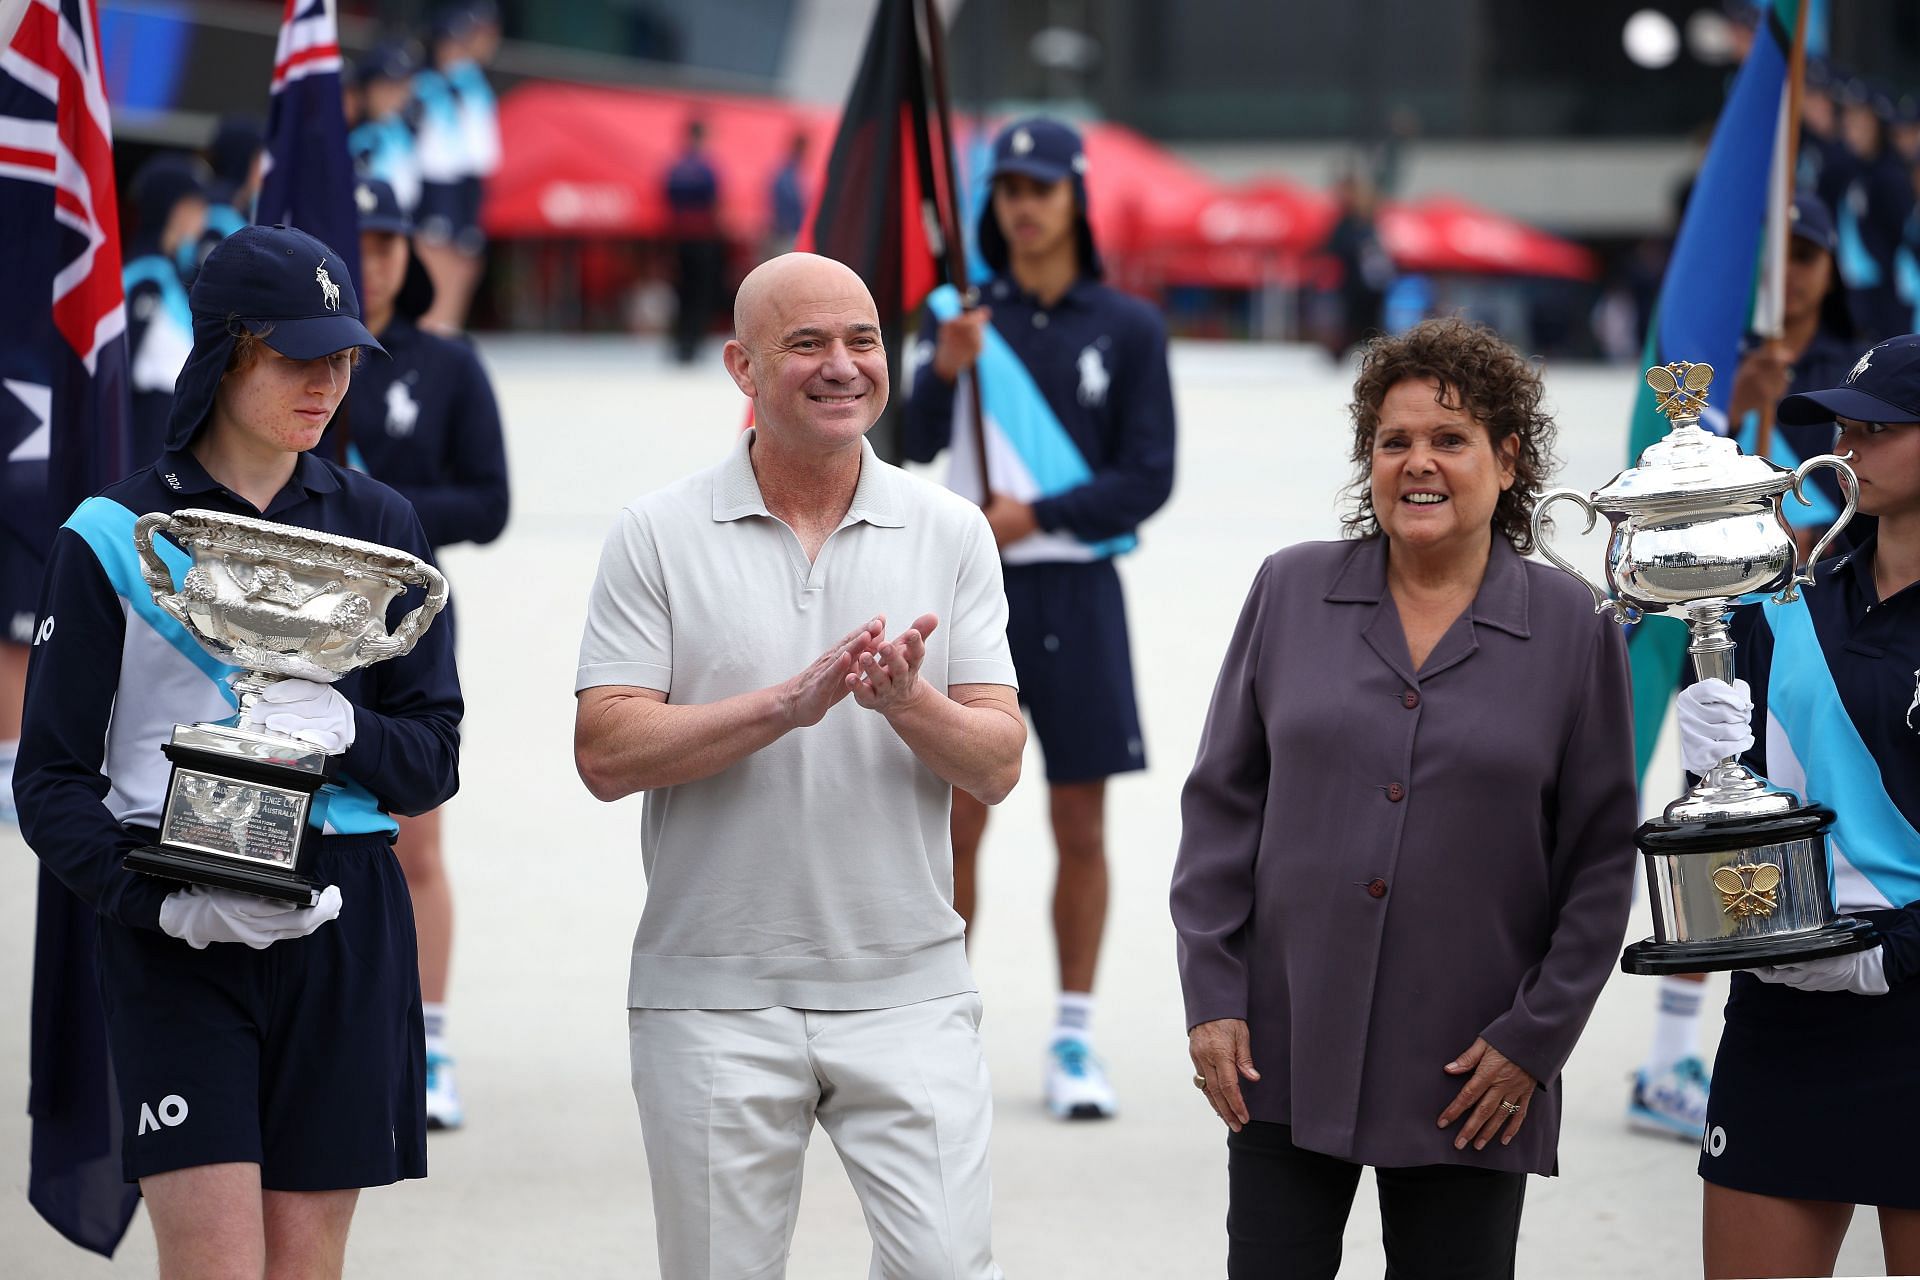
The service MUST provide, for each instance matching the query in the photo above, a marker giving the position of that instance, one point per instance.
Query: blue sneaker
(1673, 1104)
(443, 1096)
(1077, 1087)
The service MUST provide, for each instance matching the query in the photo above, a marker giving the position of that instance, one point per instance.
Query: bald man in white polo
(797, 655)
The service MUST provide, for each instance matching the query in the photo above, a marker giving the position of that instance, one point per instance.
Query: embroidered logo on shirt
(1913, 708)
(329, 291)
(1094, 378)
(402, 410)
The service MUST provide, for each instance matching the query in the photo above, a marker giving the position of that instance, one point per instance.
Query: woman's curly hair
(1477, 372)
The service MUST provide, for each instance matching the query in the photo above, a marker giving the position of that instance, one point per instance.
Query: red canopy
(591, 162)
(1444, 233)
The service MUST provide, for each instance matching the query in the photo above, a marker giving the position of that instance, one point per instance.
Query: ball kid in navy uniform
(268, 1059)
(1812, 1110)
(1095, 458)
(425, 422)
(169, 197)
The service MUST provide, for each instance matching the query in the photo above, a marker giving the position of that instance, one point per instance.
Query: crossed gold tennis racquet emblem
(1748, 890)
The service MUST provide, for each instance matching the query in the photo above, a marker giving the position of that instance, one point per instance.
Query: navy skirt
(1816, 1095)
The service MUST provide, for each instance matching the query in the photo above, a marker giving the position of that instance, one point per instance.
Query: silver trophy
(1737, 868)
(277, 602)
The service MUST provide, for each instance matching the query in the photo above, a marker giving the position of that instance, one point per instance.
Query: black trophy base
(223, 873)
(1843, 937)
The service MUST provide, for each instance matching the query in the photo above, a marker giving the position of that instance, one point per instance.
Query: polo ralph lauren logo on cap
(363, 196)
(1022, 142)
(329, 291)
(1860, 367)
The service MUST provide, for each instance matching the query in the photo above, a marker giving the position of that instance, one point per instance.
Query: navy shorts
(449, 213)
(1067, 627)
(1813, 1095)
(307, 1058)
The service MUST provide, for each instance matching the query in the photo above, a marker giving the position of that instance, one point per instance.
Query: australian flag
(308, 176)
(64, 413)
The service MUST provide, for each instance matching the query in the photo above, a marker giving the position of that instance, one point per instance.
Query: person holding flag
(1079, 449)
(1813, 1051)
(268, 1058)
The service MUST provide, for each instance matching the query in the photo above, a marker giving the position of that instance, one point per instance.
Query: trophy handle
(1849, 489)
(407, 634)
(153, 570)
(1624, 614)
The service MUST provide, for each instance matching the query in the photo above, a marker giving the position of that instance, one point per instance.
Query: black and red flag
(889, 206)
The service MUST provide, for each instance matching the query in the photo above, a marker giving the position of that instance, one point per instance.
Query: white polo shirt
(818, 872)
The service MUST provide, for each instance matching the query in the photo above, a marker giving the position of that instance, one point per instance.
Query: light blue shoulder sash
(1875, 836)
(1016, 405)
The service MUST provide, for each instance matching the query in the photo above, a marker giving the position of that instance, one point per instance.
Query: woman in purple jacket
(1407, 848)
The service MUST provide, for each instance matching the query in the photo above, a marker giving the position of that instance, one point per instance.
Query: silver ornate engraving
(281, 602)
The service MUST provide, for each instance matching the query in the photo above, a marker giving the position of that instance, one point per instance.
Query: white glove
(1716, 721)
(307, 710)
(1863, 973)
(199, 915)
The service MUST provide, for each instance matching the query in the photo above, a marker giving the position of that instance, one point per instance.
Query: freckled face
(281, 403)
(1436, 476)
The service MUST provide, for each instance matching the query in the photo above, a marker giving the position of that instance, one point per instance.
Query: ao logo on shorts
(1714, 1141)
(173, 1114)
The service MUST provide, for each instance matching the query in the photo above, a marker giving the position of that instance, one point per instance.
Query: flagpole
(1796, 80)
(951, 230)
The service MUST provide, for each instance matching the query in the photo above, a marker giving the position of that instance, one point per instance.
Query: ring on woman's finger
(1200, 1082)
(1510, 1107)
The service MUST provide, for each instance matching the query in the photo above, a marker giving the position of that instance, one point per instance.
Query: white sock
(1074, 1020)
(435, 1015)
(1676, 1029)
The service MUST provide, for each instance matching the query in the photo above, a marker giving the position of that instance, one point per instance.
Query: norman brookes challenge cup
(277, 602)
(1737, 868)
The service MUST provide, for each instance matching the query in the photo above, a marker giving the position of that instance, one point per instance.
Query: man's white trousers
(728, 1099)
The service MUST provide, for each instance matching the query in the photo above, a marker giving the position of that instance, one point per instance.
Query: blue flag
(64, 416)
(307, 178)
(1707, 302)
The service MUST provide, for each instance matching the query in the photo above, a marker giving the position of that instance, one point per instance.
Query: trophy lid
(1689, 463)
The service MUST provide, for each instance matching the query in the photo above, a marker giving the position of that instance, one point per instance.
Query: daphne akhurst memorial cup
(1737, 869)
(277, 602)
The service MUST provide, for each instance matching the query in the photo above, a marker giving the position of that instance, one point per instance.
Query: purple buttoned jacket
(1378, 864)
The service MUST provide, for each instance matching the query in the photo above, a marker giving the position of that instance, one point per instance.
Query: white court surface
(548, 1179)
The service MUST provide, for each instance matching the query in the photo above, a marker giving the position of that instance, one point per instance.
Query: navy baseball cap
(1046, 151)
(278, 283)
(1884, 386)
(1809, 219)
(379, 208)
(388, 60)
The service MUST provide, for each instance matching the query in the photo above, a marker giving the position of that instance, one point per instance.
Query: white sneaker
(1077, 1087)
(1673, 1103)
(443, 1094)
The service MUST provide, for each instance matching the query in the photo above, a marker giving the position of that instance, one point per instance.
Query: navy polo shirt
(1872, 647)
(426, 423)
(107, 674)
(1124, 428)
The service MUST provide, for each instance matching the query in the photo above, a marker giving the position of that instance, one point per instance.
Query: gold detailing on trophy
(1748, 890)
(1682, 388)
